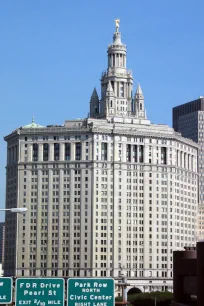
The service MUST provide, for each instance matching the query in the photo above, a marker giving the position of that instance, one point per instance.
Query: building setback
(107, 194)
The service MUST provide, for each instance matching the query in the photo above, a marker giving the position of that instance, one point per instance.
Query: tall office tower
(106, 194)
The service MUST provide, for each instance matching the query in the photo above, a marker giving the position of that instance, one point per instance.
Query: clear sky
(53, 52)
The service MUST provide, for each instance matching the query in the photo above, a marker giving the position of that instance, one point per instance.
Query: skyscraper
(107, 194)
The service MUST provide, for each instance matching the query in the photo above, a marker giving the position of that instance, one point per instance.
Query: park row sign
(51, 291)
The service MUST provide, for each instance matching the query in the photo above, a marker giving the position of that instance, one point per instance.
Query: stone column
(40, 152)
(146, 154)
(178, 158)
(51, 152)
(73, 148)
(154, 155)
(115, 151)
(93, 146)
(30, 152)
(124, 152)
(22, 155)
(83, 150)
(62, 148)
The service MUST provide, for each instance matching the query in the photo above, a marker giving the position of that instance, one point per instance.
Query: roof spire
(139, 91)
(33, 119)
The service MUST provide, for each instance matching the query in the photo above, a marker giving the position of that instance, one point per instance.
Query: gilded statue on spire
(117, 24)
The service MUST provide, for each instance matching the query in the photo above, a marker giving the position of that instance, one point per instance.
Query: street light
(17, 210)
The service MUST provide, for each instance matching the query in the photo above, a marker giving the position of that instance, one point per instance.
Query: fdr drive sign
(40, 291)
(90, 292)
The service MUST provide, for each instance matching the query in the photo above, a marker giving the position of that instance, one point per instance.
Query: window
(104, 146)
(78, 151)
(163, 155)
(141, 154)
(35, 152)
(56, 151)
(45, 151)
(128, 152)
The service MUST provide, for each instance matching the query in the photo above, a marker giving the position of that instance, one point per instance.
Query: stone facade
(188, 120)
(106, 195)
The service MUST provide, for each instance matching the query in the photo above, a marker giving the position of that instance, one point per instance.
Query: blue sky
(53, 52)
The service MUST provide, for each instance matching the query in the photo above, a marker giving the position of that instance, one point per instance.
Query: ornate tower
(120, 80)
(139, 108)
(94, 104)
(117, 102)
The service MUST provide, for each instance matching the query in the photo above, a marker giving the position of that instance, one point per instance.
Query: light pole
(17, 210)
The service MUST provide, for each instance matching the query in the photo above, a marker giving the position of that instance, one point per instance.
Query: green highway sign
(40, 291)
(90, 292)
(6, 284)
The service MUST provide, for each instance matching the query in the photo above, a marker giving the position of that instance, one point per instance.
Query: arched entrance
(134, 290)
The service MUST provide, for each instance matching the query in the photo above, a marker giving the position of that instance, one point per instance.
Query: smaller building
(188, 280)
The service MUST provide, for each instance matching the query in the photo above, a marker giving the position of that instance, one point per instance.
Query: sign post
(6, 284)
(40, 291)
(90, 292)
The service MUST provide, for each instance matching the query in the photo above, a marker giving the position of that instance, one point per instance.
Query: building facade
(188, 119)
(108, 194)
